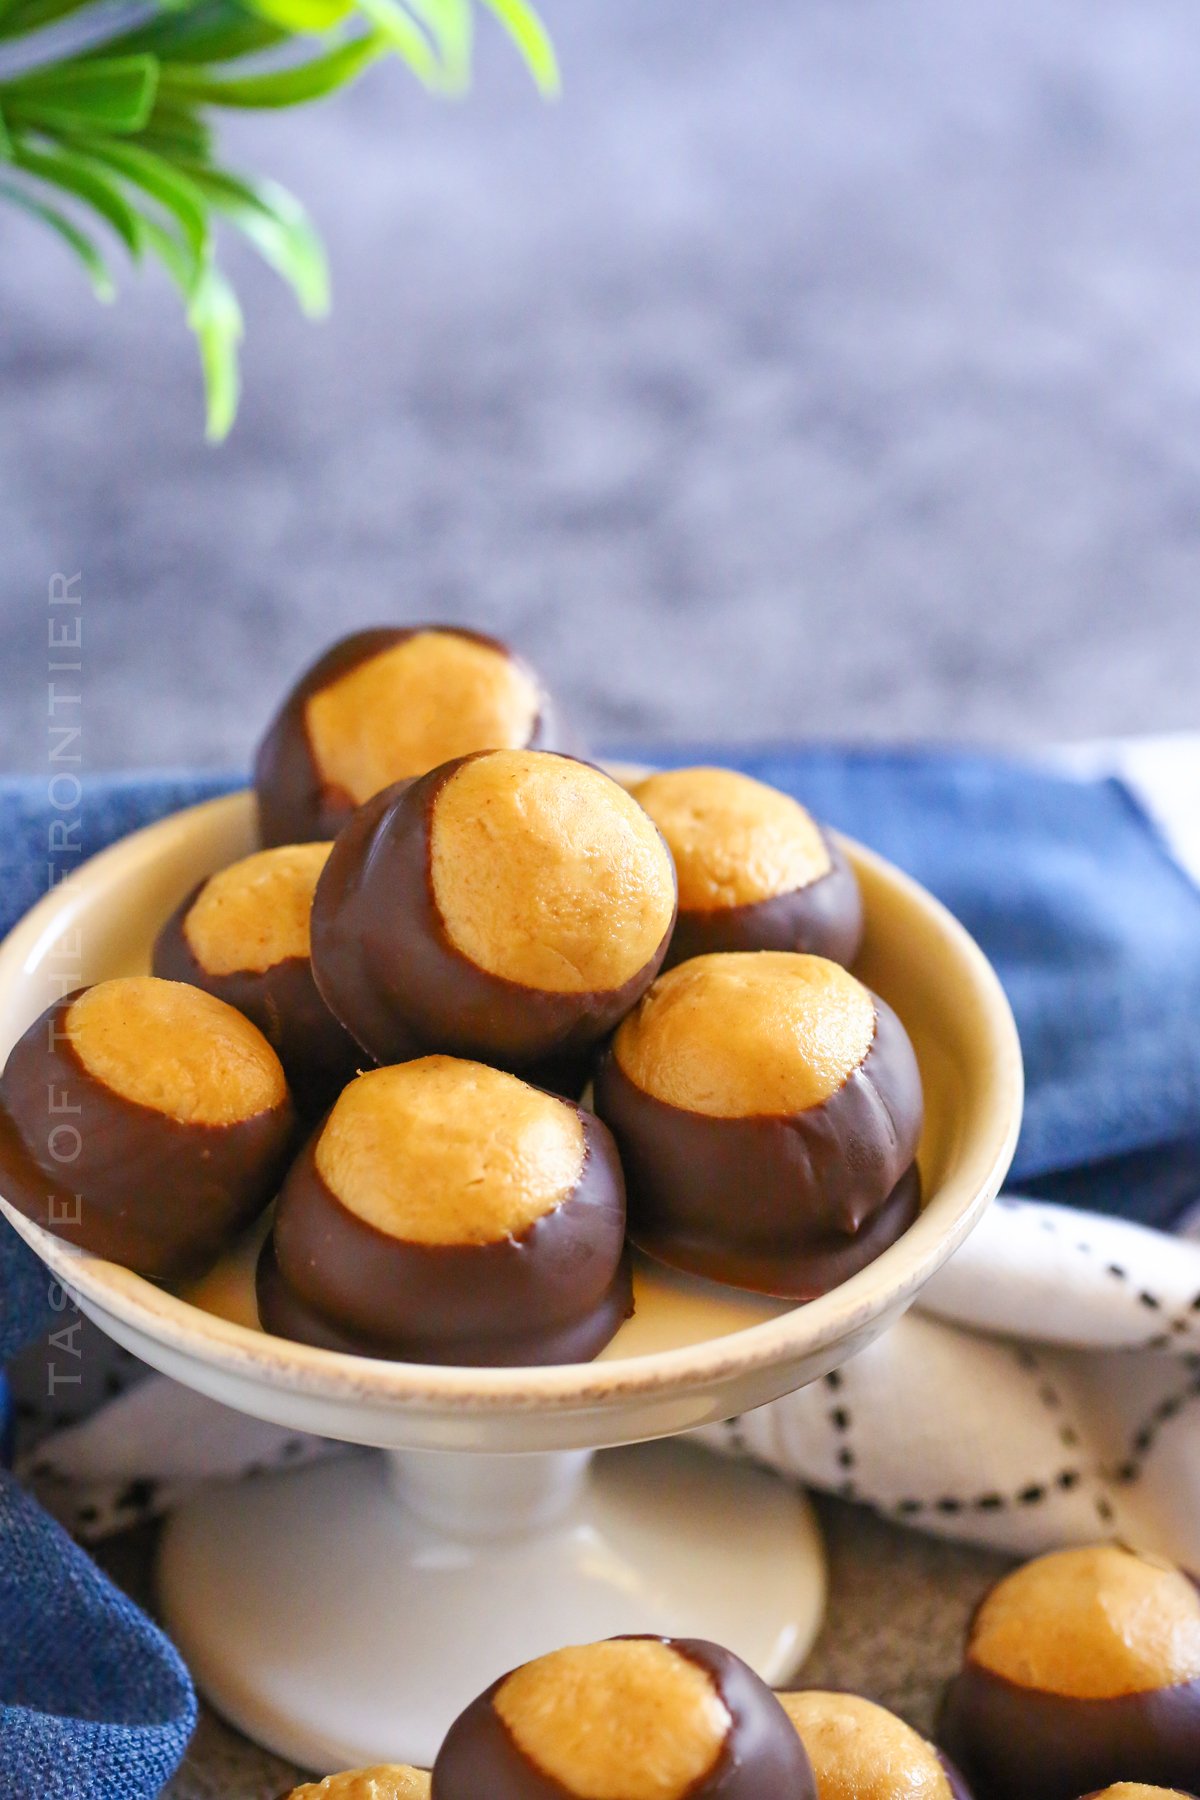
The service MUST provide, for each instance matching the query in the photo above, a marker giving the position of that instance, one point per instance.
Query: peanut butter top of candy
(1137, 1790)
(735, 840)
(860, 1751)
(1092, 1623)
(256, 913)
(433, 696)
(444, 1151)
(387, 1781)
(740, 1034)
(628, 1720)
(174, 1049)
(547, 873)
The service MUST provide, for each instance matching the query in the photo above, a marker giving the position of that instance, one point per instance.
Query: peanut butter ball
(244, 935)
(386, 1781)
(635, 1718)
(756, 872)
(860, 1751)
(144, 1120)
(767, 1108)
(383, 706)
(1081, 1669)
(511, 905)
(448, 1212)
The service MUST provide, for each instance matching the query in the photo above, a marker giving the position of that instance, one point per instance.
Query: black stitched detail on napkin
(1143, 1440)
(841, 1420)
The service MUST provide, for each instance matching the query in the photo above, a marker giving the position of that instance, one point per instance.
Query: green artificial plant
(107, 121)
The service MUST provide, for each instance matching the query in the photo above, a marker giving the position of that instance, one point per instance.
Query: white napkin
(1043, 1392)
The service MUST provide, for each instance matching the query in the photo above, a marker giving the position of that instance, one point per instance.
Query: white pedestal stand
(344, 1614)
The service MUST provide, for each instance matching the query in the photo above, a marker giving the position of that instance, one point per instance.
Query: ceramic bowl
(694, 1353)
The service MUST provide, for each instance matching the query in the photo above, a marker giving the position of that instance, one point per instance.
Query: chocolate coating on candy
(170, 1126)
(385, 705)
(511, 906)
(244, 936)
(450, 1213)
(1082, 1669)
(386, 1781)
(283, 1312)
(629, 1719)
(860, 1751)
(767, 1108)
(756, 872)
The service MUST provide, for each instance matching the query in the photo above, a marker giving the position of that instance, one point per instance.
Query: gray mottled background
(818, 366)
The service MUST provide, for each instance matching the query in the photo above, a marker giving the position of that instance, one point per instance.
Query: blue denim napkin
(7, 1424)
(95, 1703)
(1096, 935)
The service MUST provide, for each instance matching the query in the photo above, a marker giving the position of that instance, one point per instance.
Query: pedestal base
(325, 1615)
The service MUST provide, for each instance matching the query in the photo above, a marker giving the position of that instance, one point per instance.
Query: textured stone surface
(828, 368)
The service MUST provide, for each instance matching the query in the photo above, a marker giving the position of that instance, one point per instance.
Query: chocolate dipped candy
(1081, 1669)
(243, 935)
(385, 705)
(511, 905)
(767, 1108)
(146, 1121)
(386, 1781)
(635, 1718)
(1137, 1790)
(756, 872)
(449, 1213)
(860, 1751)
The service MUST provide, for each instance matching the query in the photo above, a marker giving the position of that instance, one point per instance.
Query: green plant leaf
(176, 257)
(163, 181)
(451, 25)
(405, 38)
(25, 16)
(70, 234)
(277, 225)
(215, 318)
(112, 94)
(532, 40)
(67, 170)
(177, 130)
(121, 128)
(399, 32)
(304, 16)
(209, 31)
(292, 86)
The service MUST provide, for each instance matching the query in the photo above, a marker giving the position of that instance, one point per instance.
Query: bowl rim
(884, 1287)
